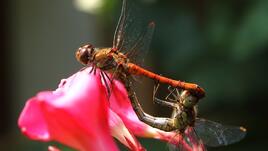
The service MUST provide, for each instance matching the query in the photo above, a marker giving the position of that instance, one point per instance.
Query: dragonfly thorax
(184, 112)
(102, 58)
(183, 118)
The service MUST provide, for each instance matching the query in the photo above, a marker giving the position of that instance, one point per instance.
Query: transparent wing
(140, 47)
(215, 134)
(190, 142)
(173, 145)
(193, 140)
(132, 37)
(121, 25)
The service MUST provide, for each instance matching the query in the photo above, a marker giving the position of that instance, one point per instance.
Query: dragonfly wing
(121, 25)
(180, 147)
(215, 134)
(176, 146)
(131, 35)
(193, 140)
(139, 49)
(172, 147)
(189, 142)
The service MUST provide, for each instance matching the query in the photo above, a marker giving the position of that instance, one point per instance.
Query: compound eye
(90, 49)
(84, 54)
(188, 100)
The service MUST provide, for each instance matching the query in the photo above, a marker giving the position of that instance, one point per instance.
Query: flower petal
(75, 114)
(121, 133)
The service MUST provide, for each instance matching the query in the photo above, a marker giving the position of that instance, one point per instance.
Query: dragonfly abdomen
(162, 123)
(136, 70)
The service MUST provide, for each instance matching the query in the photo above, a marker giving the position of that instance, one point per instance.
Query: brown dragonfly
(130, 39)
(118, 58)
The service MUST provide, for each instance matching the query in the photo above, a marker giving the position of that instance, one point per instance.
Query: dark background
(221, 45)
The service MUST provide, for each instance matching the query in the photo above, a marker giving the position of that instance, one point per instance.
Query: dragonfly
(194, 130)
(128, 41)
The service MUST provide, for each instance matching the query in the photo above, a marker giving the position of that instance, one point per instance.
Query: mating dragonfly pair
(129, 42)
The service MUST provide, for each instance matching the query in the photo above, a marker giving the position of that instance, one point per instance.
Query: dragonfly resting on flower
(130, 40)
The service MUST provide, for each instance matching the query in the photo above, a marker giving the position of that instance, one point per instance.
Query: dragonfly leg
(156, 86)
(108, 88)
(106, 75)
(95, 70)
(171, 90)
(117, 70)
(155, 89)
(175, 93)
(83, 69)
(92, 68)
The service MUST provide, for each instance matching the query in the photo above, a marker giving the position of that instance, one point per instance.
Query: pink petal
(75, 114)
(121, 133)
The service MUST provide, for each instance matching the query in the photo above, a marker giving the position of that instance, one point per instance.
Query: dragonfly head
(188, 100)
(85, 54)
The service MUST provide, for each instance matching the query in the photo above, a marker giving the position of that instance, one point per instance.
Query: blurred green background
(221, 45)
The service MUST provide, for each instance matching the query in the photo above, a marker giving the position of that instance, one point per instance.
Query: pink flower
(79, 115)
(76, 114)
